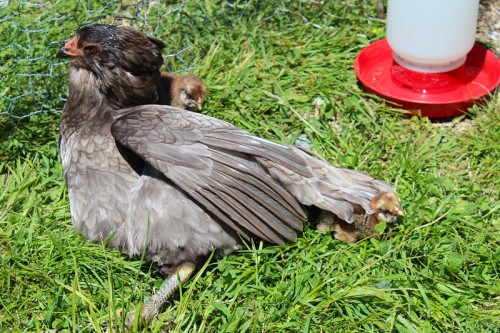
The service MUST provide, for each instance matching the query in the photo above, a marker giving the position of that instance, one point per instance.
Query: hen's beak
(70, 49)
(62, 53)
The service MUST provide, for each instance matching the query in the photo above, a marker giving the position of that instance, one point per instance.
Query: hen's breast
(169, 226)
(99, 182)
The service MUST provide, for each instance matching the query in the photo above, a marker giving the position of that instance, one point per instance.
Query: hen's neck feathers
(97, 95)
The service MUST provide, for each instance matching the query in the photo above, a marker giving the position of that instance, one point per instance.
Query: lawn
(284, 71)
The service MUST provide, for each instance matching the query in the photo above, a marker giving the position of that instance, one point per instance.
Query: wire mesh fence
(33, 81)
(213, 39)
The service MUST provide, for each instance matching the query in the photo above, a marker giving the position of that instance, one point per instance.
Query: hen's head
(191, 92)
(108, 46)
(119, 64)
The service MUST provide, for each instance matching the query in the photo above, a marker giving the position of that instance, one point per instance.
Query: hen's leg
(153, 305)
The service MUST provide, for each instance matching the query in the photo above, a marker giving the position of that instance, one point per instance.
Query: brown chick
(182, 91)
(386, 207)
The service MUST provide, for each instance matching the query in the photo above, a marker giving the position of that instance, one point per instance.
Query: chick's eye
(91, 49)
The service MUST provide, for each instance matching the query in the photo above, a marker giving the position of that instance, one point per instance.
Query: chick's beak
(397, 216)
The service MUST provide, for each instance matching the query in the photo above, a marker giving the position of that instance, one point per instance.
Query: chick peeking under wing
(386, 207)
(181, 91)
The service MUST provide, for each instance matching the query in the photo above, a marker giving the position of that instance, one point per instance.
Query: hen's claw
(151, 308)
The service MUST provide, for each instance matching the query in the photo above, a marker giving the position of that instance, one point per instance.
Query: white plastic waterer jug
(431, 36)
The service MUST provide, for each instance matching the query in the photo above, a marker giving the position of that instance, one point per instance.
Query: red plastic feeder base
(433, 95)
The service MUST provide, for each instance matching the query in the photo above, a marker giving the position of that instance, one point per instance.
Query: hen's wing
(214, 163)
(247, 182)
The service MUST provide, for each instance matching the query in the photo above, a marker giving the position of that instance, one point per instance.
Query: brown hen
(178, 185)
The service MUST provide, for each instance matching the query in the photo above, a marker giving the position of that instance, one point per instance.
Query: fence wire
(33, 81)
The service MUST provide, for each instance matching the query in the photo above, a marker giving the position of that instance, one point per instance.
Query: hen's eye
(91, 49)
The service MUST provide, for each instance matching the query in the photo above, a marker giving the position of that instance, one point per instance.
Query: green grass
(265, 66)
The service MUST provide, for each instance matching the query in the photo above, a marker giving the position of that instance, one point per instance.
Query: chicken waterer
(429, 63)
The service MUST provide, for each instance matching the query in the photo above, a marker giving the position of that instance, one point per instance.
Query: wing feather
(247, 174)
(224, 178)
(254, 207)
(258, 186)
(249, 144)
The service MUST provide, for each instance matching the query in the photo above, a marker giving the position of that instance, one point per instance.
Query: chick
(386, 207)
(182, 91)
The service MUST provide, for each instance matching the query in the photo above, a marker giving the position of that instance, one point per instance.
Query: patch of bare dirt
(488, 25)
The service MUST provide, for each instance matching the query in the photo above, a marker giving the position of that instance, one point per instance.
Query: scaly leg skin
(153, 305)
